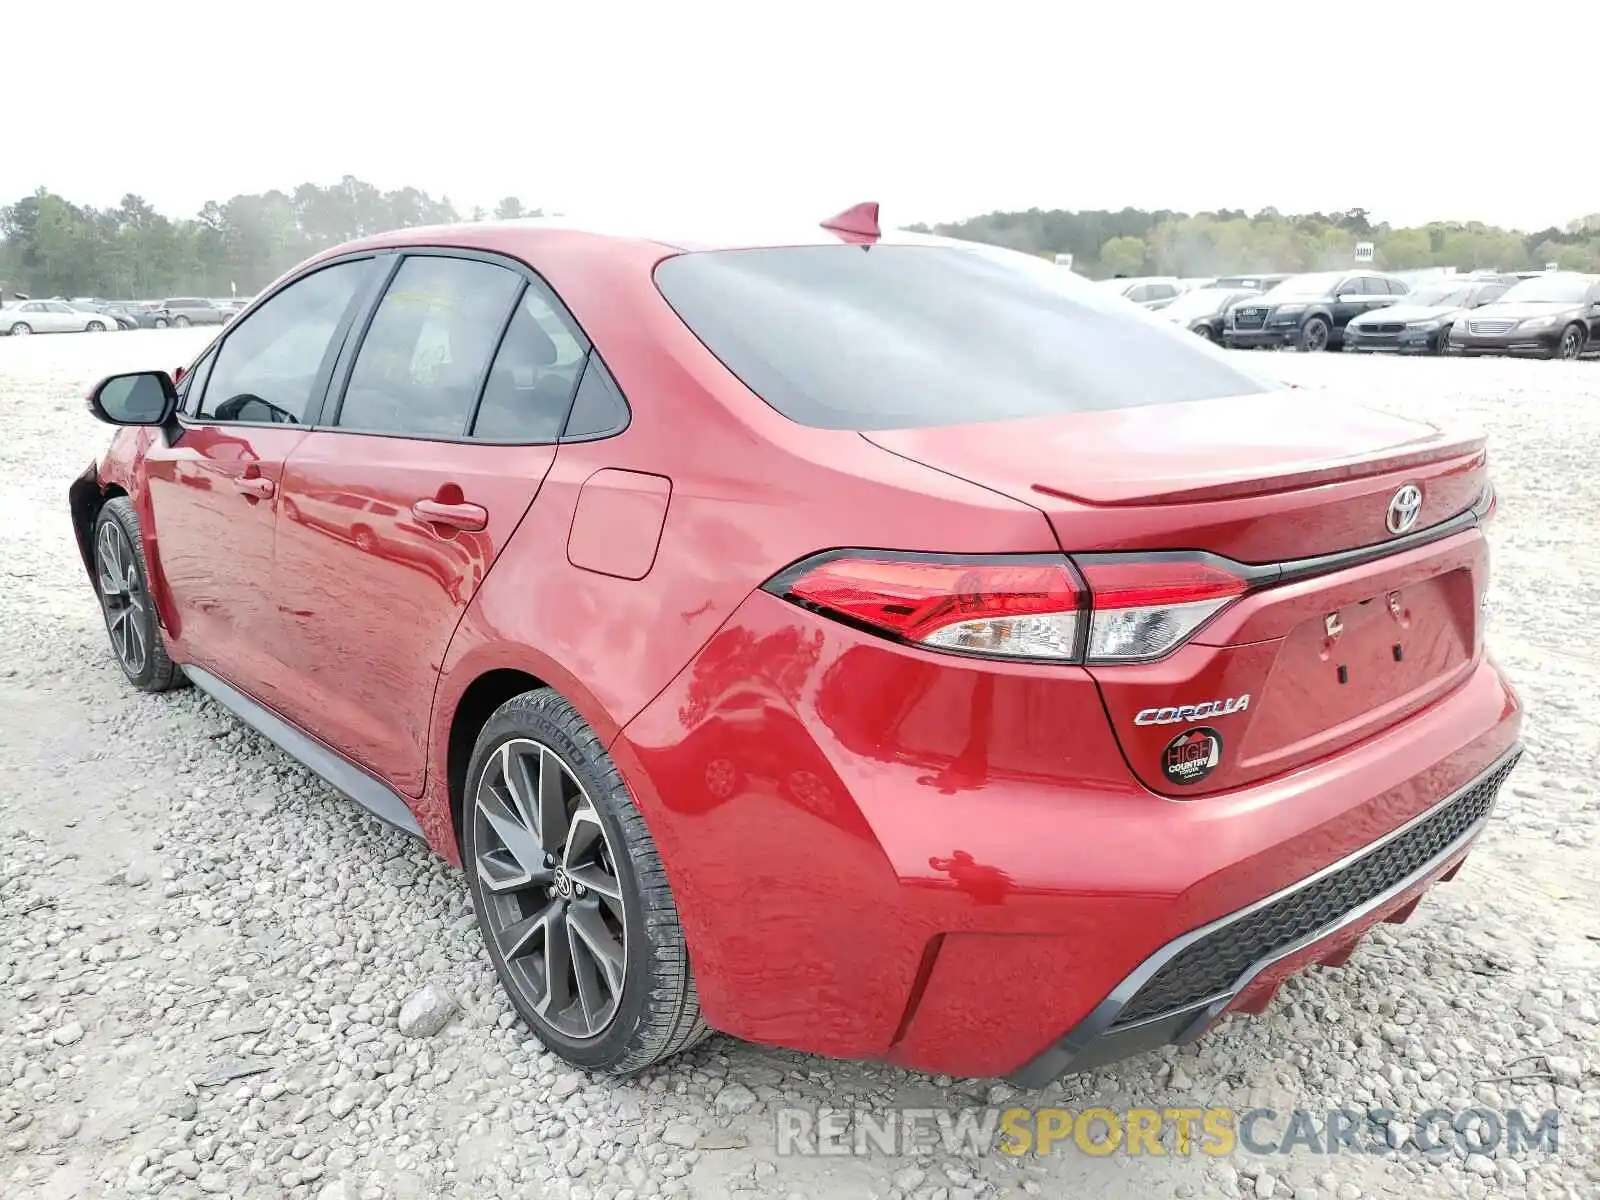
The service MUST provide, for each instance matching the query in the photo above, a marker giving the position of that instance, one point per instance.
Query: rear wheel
(570, 893)
(124, 590)
(1314, 335)
(1571, 344)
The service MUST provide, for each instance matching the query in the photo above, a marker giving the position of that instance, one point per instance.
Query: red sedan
(862, 642)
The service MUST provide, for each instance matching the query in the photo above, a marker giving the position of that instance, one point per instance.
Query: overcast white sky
(942, 110)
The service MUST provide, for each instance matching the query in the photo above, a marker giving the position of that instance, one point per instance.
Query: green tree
(1123, 255)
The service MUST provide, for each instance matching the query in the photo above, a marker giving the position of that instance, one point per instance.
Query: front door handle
(468, 517)
(255, 487)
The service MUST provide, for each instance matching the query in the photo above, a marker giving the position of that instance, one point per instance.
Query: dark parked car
(1556, 315)
(1200, 311)
(1310, 312)
(1421, 322)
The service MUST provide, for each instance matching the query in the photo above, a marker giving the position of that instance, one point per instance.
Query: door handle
(469, 517)
(255, 487)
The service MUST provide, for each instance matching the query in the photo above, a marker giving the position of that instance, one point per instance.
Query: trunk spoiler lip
(1466, 453)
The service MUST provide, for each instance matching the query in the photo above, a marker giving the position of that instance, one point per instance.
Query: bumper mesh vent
(1213, 964)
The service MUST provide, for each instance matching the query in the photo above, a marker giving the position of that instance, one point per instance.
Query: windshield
(904, 336)
(1550, 289)
(1305, 287)
(1436, 296)
(1202, 302)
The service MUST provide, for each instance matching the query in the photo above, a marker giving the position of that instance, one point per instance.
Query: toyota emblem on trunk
(1404, 507)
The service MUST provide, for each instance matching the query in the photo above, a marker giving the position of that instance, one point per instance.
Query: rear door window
(902, 336)
(425, 355)
(536, 370)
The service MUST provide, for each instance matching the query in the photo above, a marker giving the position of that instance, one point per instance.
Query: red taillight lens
(1145, 606)
(1095, 608)
(1019, 607)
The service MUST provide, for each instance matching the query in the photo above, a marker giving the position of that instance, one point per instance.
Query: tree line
(1231, 241)
(53, 247)
(50, 246)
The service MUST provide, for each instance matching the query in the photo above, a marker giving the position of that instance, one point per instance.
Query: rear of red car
(1028, 812)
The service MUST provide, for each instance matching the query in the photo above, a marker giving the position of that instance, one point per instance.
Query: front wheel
(21, 329)
(1441, 341)
(1205, 333)
(570, 893)
(1571, 344)
(124, 589)
(94, 327)
(1314, 335)
(181, 322)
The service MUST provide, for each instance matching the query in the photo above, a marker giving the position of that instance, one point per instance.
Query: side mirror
(138, 398)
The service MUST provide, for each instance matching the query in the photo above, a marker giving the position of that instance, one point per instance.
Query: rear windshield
(896, 336)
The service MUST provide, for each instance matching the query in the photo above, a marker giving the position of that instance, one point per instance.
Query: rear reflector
(1104, 608)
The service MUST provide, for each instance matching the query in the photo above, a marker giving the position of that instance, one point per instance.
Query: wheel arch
(85, 498)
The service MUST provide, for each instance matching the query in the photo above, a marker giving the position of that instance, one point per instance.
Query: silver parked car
(51, 316)
(194, 310)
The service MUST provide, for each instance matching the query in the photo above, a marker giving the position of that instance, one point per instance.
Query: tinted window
(535, 372)
(598, 407)
(1161, 291)
(1398, 287)
(268, 368)
(1489, 294)
(428, 347)
(895, 336)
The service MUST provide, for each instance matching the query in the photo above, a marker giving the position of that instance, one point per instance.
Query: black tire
(657, 1013)
(21, 329)
(160, 323)
(1441, 343)
(149, 670)
(94, 327)
(1204, 331)
(181, 322)
(1314, 336)
(1570, 347)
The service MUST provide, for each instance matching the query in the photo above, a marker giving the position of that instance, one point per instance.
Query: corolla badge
(1182, 714)
(1404, 507)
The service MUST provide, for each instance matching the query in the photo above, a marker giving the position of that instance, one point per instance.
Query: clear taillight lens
(1146, 606)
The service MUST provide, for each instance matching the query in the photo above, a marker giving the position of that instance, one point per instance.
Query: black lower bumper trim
(1175, 994)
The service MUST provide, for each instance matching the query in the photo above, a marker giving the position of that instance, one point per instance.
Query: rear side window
(535, 372)
(895, 336)
(429, 344)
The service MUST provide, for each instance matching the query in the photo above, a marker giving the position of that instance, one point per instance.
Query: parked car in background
(107, 309)
(1152, 291)
(194, 310)
(1553, 315)
(1015, 749)
(1200, 311)
(1421, 322)
(1248, 283)
(1309, 312)
(51, 316)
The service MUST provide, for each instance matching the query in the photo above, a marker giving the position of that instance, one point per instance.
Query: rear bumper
(1238, 960)
(879, 852)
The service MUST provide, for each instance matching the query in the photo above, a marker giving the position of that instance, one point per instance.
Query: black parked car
(1556, 315)
(1200, 311)
(1421, 322)
(1309, 311)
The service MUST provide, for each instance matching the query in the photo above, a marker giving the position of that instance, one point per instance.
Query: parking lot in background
(204, 949)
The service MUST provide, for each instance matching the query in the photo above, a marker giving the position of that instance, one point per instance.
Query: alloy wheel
(1571, 342)
(21, 329)
(551, 896)
(123, 597)
(1315, 337)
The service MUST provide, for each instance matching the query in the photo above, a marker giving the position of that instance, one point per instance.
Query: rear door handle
(255, 486)
(470, 517)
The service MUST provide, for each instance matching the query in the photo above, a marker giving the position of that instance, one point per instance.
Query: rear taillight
(1096, 608)
(1488, 504)
(1147, 606)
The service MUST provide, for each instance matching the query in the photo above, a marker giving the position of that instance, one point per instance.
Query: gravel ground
(204, 953)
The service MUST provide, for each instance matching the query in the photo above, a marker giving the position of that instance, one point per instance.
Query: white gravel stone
(276, 907)
(427, 1011)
